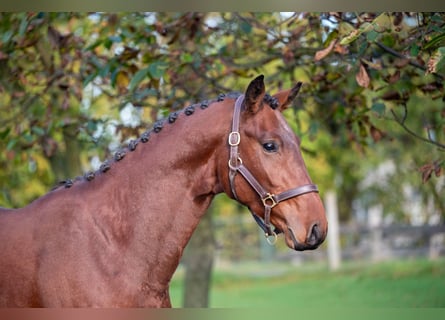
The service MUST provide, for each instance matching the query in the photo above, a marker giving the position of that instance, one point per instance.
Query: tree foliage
(369, 79)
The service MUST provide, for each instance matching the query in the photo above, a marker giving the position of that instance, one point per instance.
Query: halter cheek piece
(269, 200)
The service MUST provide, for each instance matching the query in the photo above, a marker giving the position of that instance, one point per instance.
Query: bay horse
(114, 237)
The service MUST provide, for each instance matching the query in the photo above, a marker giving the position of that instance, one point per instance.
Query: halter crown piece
(269, 200)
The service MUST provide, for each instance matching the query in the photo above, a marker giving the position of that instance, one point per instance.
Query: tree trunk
(334, 249)
(66, 163)
(198, 261)
(438, 201)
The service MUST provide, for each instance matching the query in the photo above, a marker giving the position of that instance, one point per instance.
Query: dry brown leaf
(426, 171)
(362, 77)
(341, 49)
(431, 65)
(394, 77)
(321, 54)
(376, 134)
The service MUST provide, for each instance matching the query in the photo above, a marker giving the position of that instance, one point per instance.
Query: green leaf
(441, 61)
(89, 78)
(137, 78)
(414, 50)
(351, 37)
(331, 37)
(313, 128)
(140, 95)
(379, 108)
(11, 144)
(246, 27)
(223, 51)
(382, 22)
(28, 137)
(7, 35)
(379, 24)
(186, 57)
(435, 42)
(94, 45)
(108, 43)
(362, 48)
(23, 26)
(372, 35)
(150, 39)
(388, 40)
(38, 131)
(38, 110)
(4, 133)
(437, 18)
(113, 77)
(354, 34)
(157, 69)
(91, 125)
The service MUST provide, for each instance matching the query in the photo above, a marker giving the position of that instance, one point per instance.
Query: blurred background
(371, 117)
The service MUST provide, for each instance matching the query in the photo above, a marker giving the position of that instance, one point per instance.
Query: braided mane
(156, 128)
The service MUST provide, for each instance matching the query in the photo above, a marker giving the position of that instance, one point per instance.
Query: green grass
(404, 284)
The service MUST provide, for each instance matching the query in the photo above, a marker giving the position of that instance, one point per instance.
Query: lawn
(399, 284)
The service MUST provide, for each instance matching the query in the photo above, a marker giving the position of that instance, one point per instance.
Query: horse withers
(114, 237)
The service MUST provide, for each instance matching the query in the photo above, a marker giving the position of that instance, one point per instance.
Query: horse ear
(253, 98)
(287, 96)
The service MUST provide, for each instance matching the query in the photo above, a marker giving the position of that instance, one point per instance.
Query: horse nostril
(314, 235)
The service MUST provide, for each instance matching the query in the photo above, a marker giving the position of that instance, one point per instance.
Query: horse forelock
(157, 127)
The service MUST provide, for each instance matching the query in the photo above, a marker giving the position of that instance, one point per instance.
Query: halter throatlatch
(269, 200)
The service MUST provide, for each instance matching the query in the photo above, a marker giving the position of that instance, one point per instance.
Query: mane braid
(271, 101)
(144, 138)
(157, 127)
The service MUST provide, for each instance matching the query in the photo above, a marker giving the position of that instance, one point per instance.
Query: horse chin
(293, 243)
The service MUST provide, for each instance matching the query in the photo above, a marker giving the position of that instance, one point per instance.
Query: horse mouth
(298, 246)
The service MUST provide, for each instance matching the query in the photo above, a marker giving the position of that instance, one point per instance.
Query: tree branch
(410, 61)
(401, 122)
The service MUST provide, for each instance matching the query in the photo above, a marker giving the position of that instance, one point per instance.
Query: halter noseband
(269, 200)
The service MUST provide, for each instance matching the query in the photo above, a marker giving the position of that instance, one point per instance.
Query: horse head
(266, 171)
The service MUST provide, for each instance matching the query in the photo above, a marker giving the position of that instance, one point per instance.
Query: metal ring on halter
(236, 166)
(272, 236)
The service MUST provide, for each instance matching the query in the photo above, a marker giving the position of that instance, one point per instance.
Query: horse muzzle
(314, 238)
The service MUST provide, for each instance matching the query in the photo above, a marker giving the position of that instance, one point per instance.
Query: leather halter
(269, 200)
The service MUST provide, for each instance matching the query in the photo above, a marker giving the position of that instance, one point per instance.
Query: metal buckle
(235, 166)
(237, 138)
(269, 200)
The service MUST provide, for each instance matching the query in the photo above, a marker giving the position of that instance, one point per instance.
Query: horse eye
(270, 146)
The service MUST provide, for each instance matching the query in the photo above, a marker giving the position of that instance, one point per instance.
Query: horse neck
(159, 192)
